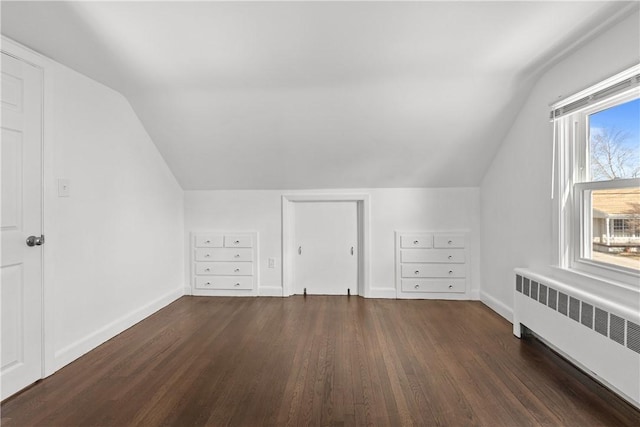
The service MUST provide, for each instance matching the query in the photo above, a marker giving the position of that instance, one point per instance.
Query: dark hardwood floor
(319, 361)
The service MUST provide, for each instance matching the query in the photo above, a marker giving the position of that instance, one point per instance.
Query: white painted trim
(383, 293)
(82, 346)
(31, 57)
(364, 234)
(496, 305)
(270, 291)
(569, 205)
(186, 290)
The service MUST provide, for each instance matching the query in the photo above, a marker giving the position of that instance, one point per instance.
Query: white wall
(114, 248)
(391, 209)
(516, 200)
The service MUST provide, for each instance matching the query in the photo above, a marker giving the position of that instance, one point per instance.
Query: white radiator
(597, 337)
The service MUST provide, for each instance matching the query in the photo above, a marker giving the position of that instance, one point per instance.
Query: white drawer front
(214, 282)
(224, 268)
(448, 241)
(433, 270)
(232, 241)
(455, 256)
(224, 254)
(209, 240)
(416, 241)
(453, 285)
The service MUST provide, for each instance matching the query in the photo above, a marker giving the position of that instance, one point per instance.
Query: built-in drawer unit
(433, 285)
(433, 255)
(221, 282)
(416, 241)
(209, 241)
(433, 270)
(431, 264)
(224, 263)
(224, 254)
(236, 241)
(448, 241)
(224, 268)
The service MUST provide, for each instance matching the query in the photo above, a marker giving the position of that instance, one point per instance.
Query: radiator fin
(633, 336)
(586, 315)
(525, 286)
(574, 308)
(519, 283)
(602, 322)
(534, 290)
(563, 300)
(553, 299)
(542, 298)
(616, 329)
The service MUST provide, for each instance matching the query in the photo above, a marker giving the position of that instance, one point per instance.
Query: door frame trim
(364, 235)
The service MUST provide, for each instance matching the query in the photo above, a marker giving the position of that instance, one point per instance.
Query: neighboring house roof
(616, 202)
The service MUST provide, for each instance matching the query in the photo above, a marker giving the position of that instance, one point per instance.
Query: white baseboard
(82, 346)
(497, 306)
(387, 293)
(270, 291)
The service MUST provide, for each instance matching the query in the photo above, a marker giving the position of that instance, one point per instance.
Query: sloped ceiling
(291, 95)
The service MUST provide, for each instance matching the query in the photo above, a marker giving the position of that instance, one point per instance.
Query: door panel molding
(289, 250)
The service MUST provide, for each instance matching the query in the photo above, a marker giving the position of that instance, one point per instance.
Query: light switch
(64, 188)
(272, 263)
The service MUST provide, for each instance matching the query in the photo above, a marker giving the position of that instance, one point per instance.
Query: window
(598, 176)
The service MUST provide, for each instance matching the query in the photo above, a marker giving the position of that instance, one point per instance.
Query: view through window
(614, 154)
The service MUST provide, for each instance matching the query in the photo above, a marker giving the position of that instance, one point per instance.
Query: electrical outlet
(272, 263)
(64, 188)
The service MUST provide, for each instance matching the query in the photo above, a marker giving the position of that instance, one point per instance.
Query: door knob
(35, 241)
(299, 250)
(351, 250)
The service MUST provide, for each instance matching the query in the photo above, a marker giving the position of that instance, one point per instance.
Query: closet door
(21, 225)
(326, 257)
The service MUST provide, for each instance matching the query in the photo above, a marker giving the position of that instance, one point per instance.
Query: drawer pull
(208, 283)
(237, 270)
(416, 287)
(207, 255)
(237, 284)
(207, 241)
(236, 256)
(207, 269)
(450, 242)
(415, 242)
(236, 242)
(416, 272)
(450, 256)
(450, 271)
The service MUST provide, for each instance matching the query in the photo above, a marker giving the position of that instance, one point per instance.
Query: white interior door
(326, 244)
(21, 265)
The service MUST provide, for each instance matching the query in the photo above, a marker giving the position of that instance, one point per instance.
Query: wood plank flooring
(319, 361)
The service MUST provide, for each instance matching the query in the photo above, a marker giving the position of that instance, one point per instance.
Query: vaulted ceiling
(288, 95)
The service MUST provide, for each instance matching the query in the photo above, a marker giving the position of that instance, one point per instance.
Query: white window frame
(573, 199)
